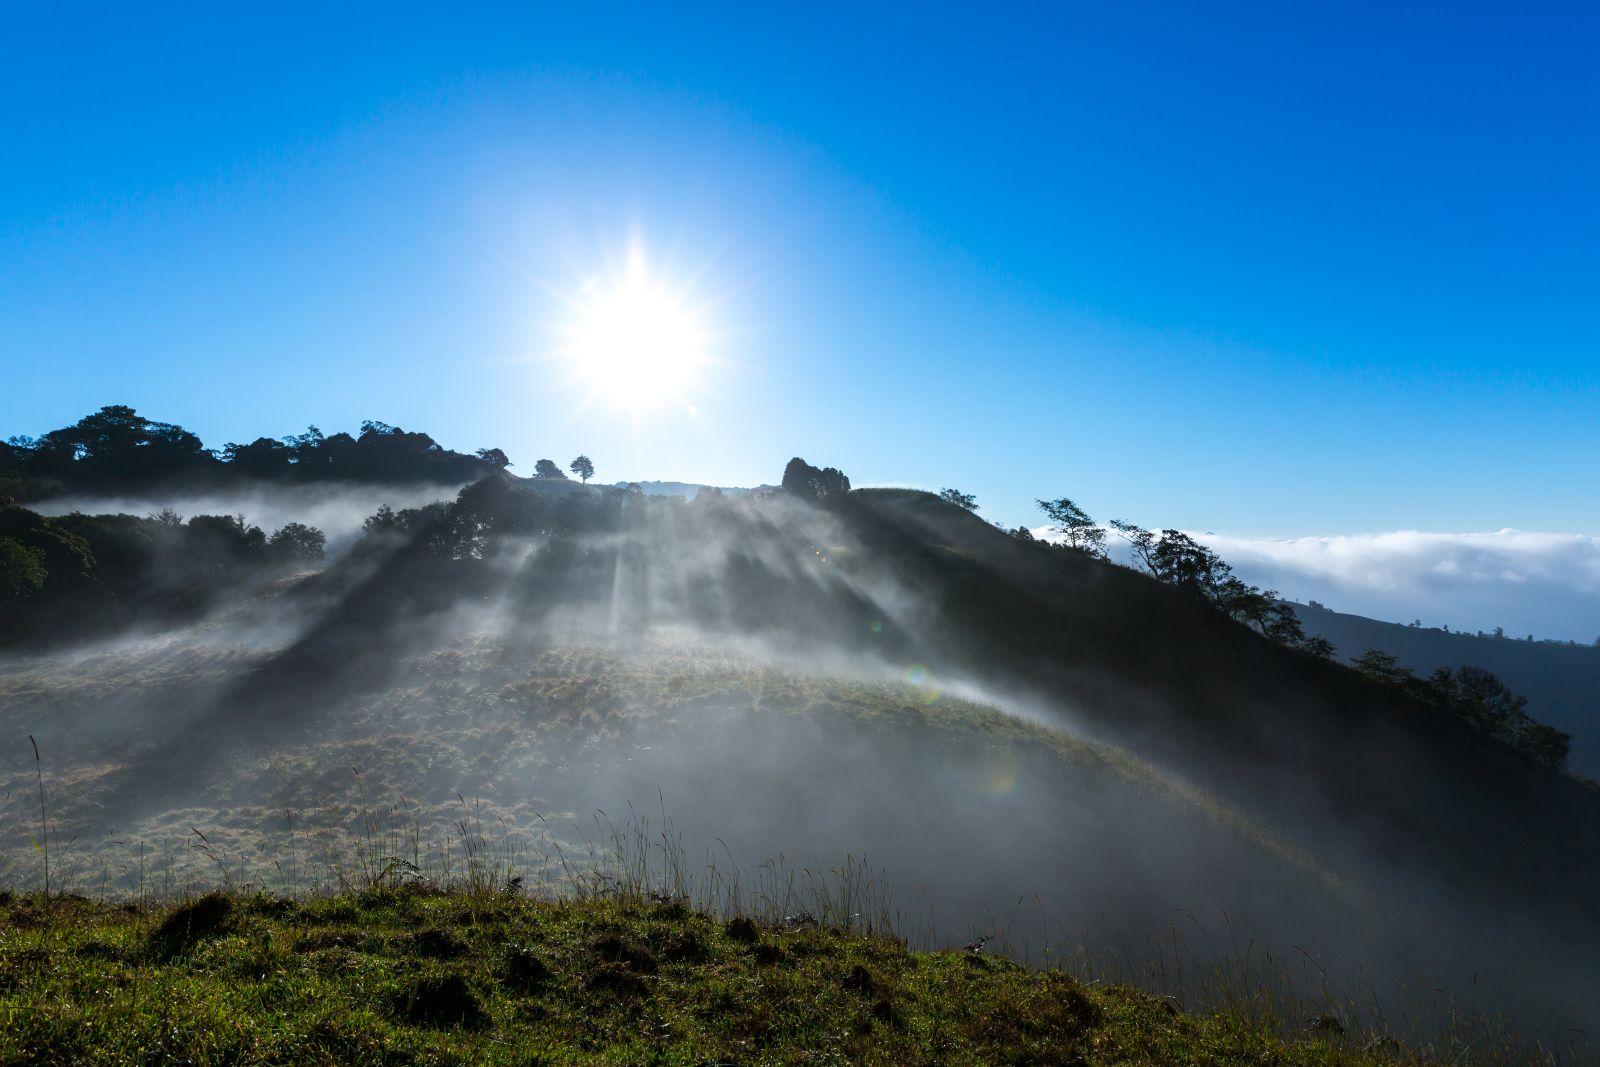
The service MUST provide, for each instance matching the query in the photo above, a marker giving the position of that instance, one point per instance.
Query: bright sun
(634, 339)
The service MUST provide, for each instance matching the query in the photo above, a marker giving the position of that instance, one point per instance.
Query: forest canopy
(117, 448)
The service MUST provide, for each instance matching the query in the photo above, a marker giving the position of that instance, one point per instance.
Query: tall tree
(546, 468)
(1078, 532)
(1180, 560)
(1141, 542)
(583, 467)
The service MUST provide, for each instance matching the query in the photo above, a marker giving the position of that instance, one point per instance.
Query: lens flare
(999, 777)
(922, 680)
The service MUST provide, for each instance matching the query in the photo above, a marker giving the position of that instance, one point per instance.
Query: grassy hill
(1025, 743)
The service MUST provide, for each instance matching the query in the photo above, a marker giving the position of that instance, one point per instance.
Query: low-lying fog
(337, 509)
(736, 670)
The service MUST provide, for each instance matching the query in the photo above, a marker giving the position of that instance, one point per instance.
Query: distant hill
(691, 489)
(1560, 680)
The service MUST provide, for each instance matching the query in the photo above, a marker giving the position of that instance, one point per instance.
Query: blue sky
(1266, 272)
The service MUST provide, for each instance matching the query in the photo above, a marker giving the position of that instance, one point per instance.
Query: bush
(22, 570)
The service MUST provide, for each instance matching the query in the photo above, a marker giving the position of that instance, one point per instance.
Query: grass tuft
(441, 1000)
(190, 923)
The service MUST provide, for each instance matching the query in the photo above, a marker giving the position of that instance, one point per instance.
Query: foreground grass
(411, 976)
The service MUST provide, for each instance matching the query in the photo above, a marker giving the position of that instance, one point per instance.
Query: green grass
(416, 976)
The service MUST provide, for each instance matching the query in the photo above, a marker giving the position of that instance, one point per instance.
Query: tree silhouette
(495, 458)
(1381, 667)
(959, 499)
(547, 469)
(262, 458)
(1544, 744)
(116, 443)
(297, 543)
(1077, 530)
(1180, 560)
(1141, 541)
(1320, 646)
(814, 483)
(22, 570)
(117, 446)
(583, 467)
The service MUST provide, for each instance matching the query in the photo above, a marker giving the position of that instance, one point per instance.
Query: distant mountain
(1560, 680)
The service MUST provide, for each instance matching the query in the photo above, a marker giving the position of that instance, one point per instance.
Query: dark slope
(1339, 758)
(1561, 681)
(904, 578)
(1331, 755)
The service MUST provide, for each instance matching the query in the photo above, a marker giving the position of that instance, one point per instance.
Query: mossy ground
(413, 976)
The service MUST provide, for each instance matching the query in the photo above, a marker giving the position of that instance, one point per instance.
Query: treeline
(117, 448)
(497, 507)
(79, 575)
(1477, 698)
(1472, 695)
(1497, 634)
(1174, 558)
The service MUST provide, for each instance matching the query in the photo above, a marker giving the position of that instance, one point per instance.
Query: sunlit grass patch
(612, 978)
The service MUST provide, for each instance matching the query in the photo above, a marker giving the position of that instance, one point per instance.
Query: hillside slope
(1561, 681)
(510, 747)
(812, 680)
(1189, 688)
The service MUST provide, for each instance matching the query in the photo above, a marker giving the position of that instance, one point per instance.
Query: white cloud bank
(1546, 584)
